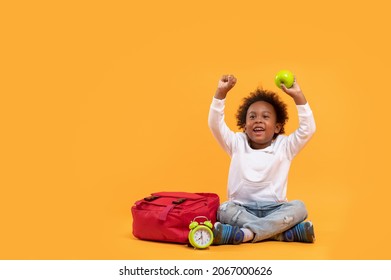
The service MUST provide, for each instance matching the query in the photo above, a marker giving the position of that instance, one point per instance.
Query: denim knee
(299, 209)
(226, 211)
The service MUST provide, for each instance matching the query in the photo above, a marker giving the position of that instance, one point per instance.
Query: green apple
(284, 77)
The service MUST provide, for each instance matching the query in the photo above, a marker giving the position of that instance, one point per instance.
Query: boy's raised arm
(295, 92)
(226, 83)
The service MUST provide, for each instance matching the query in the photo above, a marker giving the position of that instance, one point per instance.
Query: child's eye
(266, 117)
(252, 117)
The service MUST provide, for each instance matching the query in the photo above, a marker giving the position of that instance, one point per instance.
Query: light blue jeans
(267, 220)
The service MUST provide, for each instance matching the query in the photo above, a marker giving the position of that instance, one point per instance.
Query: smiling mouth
(258, 130)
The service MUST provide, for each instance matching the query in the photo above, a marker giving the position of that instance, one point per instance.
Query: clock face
(202, 237)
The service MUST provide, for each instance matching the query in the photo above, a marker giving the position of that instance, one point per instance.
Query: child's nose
(258, 119)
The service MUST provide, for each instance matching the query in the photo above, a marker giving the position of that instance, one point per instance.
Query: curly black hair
(268, 96)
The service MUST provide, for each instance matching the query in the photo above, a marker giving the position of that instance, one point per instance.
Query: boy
(257, 208)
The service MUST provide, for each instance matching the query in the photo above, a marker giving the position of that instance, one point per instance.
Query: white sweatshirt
(259, 175)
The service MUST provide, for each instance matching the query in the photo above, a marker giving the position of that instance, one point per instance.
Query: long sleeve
(220, 130)
(299, 138)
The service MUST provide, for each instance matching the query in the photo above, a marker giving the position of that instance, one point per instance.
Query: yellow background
(104, 102)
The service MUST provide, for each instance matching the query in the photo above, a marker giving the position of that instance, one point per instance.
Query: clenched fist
(226, 83)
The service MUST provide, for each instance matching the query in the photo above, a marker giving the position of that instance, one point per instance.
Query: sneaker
(227, 234)
(302, 232)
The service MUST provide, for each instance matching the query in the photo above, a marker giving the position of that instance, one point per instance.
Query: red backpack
(165, 216)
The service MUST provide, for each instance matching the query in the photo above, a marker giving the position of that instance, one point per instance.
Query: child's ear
(278, 128)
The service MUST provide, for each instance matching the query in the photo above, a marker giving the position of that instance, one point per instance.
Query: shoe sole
(310, 234)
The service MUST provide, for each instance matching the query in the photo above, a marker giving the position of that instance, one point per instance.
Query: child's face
(261, 124)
